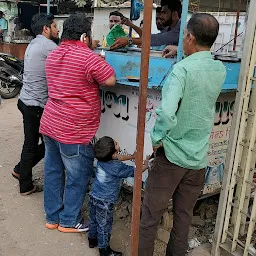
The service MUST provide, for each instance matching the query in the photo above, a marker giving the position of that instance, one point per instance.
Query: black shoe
(109, 252)
(93, 242)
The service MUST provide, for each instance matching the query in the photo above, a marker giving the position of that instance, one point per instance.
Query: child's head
(105, 148)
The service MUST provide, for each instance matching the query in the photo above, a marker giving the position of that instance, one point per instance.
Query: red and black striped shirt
(72, 112)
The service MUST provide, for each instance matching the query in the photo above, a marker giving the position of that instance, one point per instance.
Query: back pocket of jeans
(69, 151)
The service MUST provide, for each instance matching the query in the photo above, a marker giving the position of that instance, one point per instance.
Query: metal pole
(237, 20)
(148, 6)
(131, 13)
(183, 23)
(246, 133)
(48, 6)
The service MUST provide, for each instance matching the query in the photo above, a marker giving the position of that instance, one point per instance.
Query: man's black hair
(75, 26)
(141, 22)
(164, 2)
(40, 20)
(204, 27)
(174, 5)
(158, 9)
(116, 13)
(104, 149)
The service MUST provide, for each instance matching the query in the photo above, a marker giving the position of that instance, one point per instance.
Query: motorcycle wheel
(7, 92)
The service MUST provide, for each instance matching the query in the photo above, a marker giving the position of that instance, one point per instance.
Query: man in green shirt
(180, 137)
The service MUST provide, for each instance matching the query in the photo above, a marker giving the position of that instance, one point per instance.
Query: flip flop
(15, 175)
(34, 190)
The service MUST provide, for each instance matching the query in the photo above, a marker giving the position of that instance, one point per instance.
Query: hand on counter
(170, 51)
(119, 43)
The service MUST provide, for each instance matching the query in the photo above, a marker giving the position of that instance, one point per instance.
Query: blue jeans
(100, 221)
(67, 173)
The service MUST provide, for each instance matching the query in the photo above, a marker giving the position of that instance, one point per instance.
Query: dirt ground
(22, 219)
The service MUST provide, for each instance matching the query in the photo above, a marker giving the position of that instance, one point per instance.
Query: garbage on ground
(193, 243)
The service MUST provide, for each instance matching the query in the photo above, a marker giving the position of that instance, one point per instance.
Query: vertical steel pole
(183, 23)
(145, 53)
(131, 13)
(48, 6)
(237, 20)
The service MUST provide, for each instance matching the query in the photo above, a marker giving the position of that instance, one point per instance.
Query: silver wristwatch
(130, 41)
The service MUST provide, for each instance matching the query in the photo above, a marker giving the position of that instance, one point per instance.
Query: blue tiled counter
(128, 64)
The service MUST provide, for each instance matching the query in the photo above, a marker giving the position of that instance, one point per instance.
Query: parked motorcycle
(11, 71)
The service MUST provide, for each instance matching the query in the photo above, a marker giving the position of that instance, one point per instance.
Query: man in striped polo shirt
(69, 122)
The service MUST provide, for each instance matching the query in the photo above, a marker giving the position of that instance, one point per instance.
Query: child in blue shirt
(105, 191)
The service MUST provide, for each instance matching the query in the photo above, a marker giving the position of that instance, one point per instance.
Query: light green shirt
(186, 116)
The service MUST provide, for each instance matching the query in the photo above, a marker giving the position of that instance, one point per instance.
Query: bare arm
(124, 158)
(109, 82)
(128, 23)
(168, 38)
(137, 41)
(137, 29)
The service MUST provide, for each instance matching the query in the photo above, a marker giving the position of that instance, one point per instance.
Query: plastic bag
(115, 33)
(137, 6)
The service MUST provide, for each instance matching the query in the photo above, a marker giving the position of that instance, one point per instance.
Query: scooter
(11, 72)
